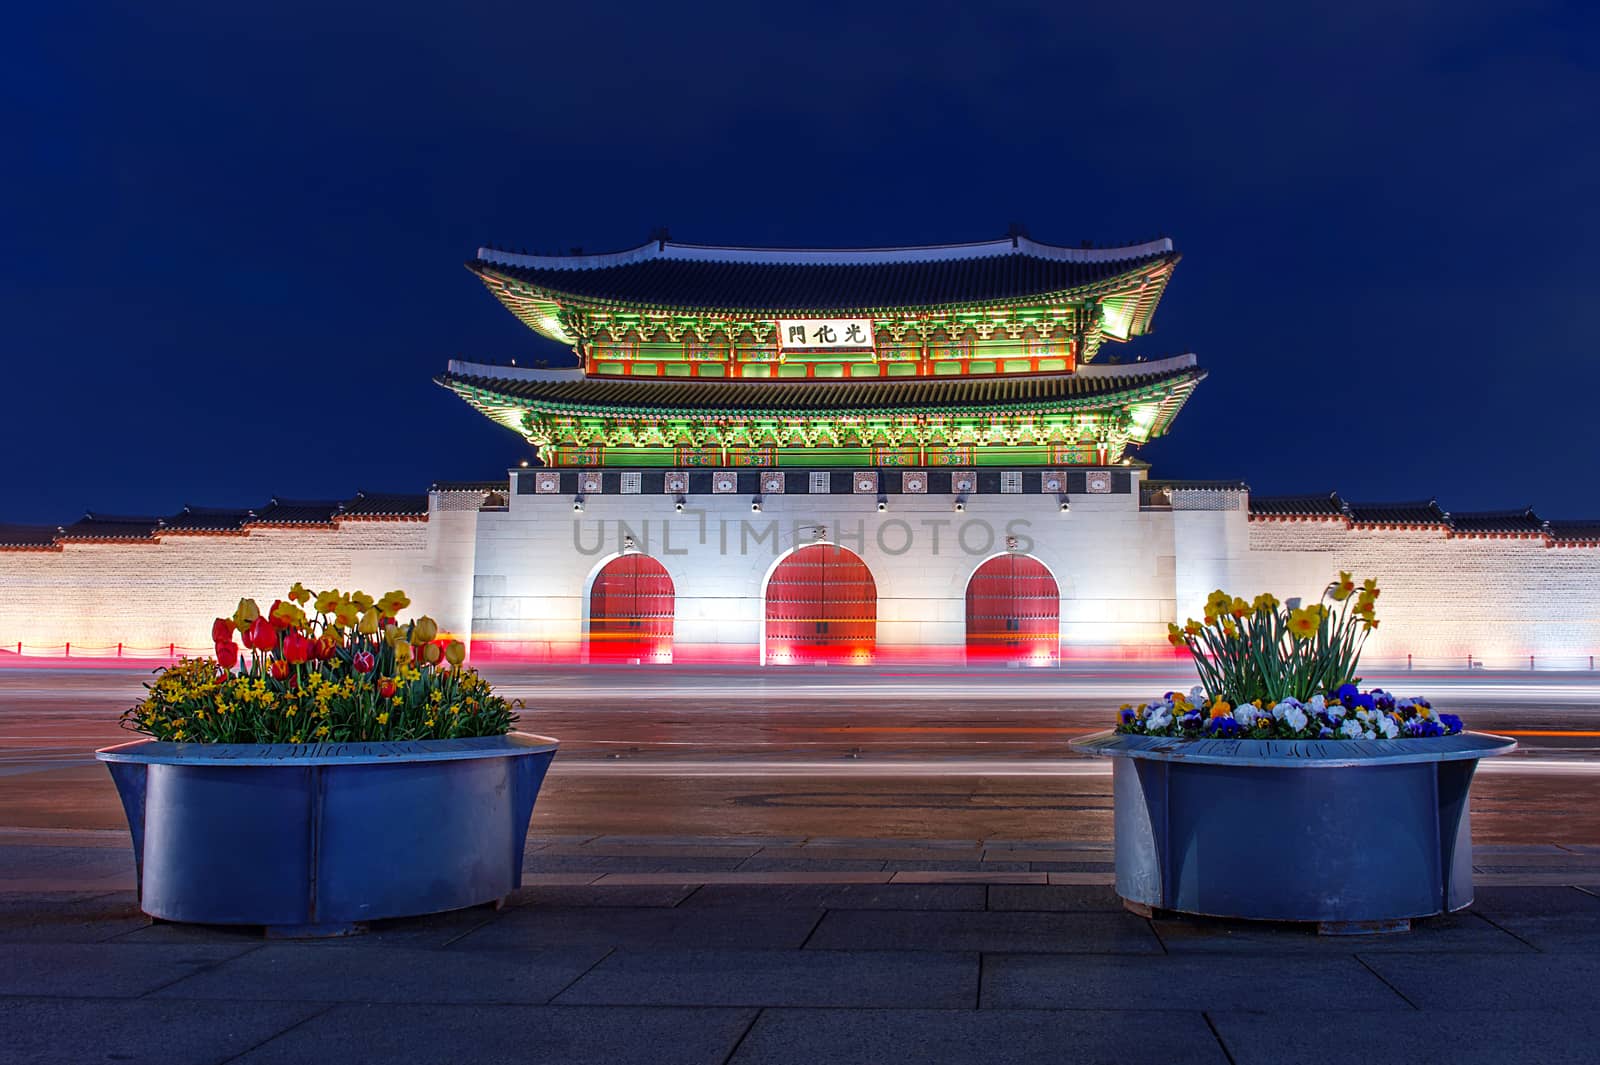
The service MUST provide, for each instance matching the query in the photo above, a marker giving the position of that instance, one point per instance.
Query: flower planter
(316, 839)
(1355, 835)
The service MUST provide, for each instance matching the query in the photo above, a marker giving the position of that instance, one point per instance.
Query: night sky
(231, 244)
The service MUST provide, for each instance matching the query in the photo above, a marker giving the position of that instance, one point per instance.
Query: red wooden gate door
(630, 611)
(822, 606)
(1013, 612)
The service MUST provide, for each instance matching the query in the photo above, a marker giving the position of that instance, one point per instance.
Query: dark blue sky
(231, 244)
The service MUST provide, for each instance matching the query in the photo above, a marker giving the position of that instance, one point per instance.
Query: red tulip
(227, 654)
(261, 636)
(385, 687)
(325, 648)
(279, 669)
(272, 615)
(296, 648)
(222, 630)
(364, 662)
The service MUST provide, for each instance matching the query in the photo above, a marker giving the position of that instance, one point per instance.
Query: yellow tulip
(430, 653)
(247, 612)
(395, 635)
(424, 629)
(402, 653)
(455, 652)
(369, 623)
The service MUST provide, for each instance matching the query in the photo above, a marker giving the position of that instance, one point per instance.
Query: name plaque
(825, 334)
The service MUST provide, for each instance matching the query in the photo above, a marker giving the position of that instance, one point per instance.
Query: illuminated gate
(1013, 612)
(630, 611)
(822, 606)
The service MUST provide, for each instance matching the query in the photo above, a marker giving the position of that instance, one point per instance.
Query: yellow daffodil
(1265, 601)
(327, 600)
(1303, 623)
(1370, 587)
(361, 600)
(1175, 636)
(345, 613)
(393, 602)
(1239, 608)
(424, 629)
(299, 593)
(1342, 587)
(1191, 627)
(383, 718)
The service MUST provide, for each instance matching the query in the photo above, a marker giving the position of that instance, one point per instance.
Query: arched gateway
(631, 606)
(1013, 612)
(822, 606)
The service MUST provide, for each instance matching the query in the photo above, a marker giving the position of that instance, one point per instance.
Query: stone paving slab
(1496, 900)
(972, 1037)
(807, 876)
(670, 894)
(1089, 933)
(508, 1035)
(64, 1031)
(953, 876)
(1483, 1037)
(1058, 897)
(645, 928)
(1553, 933)
(1483, 982)
(854, 978)
(95, 970)
(342, 971)
(1177, 982)
(844, 896)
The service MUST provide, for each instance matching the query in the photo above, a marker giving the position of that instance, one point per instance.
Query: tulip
(424, 629)
(279, 669)
(222, 630)
(395, 635)
(363, 662)
(402, 653)
(227, 653)
(455, 652)
(261, 636)
(325, 648)
(430, 653)
(386, 687)
(246, 613)
(369, 623)
(296, 648)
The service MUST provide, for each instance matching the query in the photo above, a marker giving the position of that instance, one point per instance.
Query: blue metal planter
(1356, 835)
(316, 839)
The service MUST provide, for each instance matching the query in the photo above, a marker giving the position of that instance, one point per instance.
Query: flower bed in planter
(350, 768)
(1278, 790)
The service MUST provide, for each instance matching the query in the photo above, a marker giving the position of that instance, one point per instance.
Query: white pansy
(1336, 712)
(1351, 729)
(1295, 718)
(1369, 735)
(1387, 726)
(1317, 704)
(1159, 719)
(1197, 694)
(1246, 715)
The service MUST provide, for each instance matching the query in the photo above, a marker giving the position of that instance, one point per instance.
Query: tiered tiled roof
(1578, 533)
(1394, 515)
(578, 394)
(1523, 522)
(208, 520)
(102, 528)
(1328, 506)
(29, 538)
(502, 485)
(778, 281)
(385, 505)
(298, 512)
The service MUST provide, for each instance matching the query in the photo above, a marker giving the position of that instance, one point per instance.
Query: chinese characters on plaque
(832, 334)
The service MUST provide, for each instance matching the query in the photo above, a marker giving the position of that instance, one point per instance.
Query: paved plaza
(803, 872)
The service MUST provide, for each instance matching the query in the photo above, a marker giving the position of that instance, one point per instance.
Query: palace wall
(146, 596)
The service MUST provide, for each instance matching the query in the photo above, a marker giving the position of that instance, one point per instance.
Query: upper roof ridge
(710, 253)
